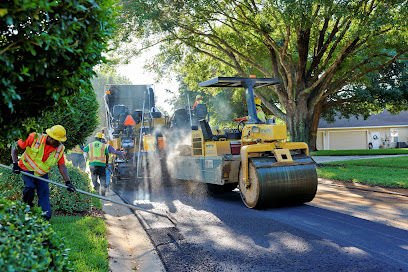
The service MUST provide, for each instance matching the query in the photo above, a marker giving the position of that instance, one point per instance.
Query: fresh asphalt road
(218, 233)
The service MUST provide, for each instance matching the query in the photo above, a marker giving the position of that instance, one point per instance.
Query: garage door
(319, 141)
(348, 140)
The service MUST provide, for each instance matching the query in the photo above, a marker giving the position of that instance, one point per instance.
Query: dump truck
(256, 157)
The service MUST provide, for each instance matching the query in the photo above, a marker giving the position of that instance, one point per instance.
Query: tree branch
(378, 67)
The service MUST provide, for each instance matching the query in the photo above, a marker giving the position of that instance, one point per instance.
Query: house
(381, 130)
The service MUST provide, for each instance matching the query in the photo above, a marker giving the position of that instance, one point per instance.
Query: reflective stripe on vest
(96, 152)
(77, 150)
(32, 157)
(261, 115)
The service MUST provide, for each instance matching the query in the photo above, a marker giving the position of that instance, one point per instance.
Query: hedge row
(28, 242)
(11, 187)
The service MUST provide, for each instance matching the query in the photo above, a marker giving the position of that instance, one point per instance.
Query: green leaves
(49, 53)
(318, 48)
(28, 242)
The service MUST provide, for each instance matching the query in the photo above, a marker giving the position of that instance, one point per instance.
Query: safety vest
(260, 114)
(198, 102)
(77, 150)
(110, 158)
(32, 157)
(96, 152)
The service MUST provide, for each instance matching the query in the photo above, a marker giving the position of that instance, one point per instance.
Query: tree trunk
(297, 124)
(302, 125)
(315, 118)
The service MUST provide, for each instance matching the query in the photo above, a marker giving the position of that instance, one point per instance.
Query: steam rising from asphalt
(156, 171)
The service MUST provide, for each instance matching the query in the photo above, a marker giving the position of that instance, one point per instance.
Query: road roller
(255, 156)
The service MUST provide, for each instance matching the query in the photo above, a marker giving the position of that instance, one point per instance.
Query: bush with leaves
(47, 53)
(5, 156)
(28, 242)
(79, 121)
(11, 187)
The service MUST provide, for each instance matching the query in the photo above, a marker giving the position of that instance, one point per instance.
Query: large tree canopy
(323, 50)
(47, 51)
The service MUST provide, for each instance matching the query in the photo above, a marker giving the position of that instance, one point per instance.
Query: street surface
(341, 230)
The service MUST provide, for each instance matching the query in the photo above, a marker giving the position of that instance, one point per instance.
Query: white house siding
(358, 138)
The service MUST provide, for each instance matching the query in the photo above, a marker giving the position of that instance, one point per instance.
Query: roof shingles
(383, 119)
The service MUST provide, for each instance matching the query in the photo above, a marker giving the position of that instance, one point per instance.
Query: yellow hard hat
(98, 135)
(199, 96)
(58, 133)
(257, 101)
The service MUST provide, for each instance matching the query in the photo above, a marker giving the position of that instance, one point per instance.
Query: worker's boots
(103, 190)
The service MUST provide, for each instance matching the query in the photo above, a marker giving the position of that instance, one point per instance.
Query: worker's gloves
(233, 120)
(16, 168)
(70, 187)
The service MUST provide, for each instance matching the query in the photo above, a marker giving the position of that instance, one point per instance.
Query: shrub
(11, 187)
(28, 242)
(5, 156)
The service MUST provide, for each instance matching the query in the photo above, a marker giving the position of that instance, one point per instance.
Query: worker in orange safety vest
(42, 151)
(199, 100)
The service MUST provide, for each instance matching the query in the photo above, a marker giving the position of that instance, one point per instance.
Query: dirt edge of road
(129, 247)
(357, 185)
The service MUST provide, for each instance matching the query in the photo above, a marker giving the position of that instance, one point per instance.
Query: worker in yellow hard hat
(199, 100)
(259, 112)
(42, 151)
(109, 168)
(98, 156)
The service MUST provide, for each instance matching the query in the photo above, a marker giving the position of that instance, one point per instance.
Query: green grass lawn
(86, 237)
(385, 172)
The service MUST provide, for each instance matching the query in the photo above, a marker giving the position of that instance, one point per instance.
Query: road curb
(130, 248)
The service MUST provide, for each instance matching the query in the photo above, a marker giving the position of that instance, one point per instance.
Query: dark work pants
(98, 172)
(43, 191)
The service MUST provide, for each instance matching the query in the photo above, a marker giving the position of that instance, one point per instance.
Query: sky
(138, 76)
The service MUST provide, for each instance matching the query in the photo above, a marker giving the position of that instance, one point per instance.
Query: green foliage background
(325, 52)
(106, 74)
(47, 53)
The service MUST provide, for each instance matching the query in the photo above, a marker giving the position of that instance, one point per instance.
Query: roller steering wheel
(241, 125)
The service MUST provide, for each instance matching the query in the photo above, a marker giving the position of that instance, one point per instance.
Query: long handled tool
(97, 196)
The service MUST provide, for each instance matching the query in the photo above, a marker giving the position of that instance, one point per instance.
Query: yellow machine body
(267, 168)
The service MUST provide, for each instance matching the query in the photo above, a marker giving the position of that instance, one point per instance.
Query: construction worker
(112, 152)
(42, 151)
(97, 154)
(77, 156)
(259, 112)
(199, 100)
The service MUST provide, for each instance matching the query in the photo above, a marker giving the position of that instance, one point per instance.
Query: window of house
(394, 135)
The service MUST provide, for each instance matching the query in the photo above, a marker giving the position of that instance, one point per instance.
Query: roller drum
(273, 183)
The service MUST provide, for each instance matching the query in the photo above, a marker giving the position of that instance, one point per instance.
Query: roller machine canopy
(249, 83)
